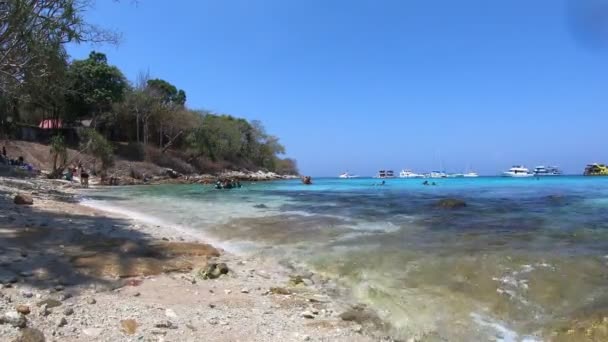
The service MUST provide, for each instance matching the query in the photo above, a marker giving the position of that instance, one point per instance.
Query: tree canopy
(38, 81)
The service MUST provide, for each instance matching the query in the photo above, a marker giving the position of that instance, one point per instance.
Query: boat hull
(517, 175)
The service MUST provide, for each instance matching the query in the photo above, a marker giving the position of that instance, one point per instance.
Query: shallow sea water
(524, 259)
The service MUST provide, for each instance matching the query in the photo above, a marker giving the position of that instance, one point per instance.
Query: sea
(525, 259)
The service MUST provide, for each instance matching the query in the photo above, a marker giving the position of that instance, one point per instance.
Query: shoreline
(258, 300)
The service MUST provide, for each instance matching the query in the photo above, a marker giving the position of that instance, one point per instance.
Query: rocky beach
(72, 273)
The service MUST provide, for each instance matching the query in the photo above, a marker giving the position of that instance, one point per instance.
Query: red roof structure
(51, 124)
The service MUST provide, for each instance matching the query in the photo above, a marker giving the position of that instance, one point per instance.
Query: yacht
(385, 174)
(518, 171)
(470, 175)
(437, 174)
(346, 175)
(405, 173)
(547, 171)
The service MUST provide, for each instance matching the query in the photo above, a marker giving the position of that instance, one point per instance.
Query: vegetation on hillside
(38, 81)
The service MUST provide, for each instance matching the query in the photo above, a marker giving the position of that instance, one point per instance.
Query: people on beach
(84, 178)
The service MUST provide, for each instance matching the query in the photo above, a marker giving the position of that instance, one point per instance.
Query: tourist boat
(518, 171)
(405, 173)
(385, 174)
(547, 171)
(346, 175)
(470, 175)
(596, 170)
(437, 174)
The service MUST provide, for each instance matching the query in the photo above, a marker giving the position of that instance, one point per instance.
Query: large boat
(385, 174)
(437, 174)
(596, 170)
(547, 171)
(347, 175)
(405, 173)
(470, 175)
(518, 171)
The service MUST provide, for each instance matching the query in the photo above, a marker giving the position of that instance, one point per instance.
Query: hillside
(130, 170)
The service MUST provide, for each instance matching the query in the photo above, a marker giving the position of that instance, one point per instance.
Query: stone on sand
(14, 318)
(128, 326)
(23, 199)
(30, 335)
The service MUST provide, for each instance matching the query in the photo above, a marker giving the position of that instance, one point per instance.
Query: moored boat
(347, 175)
(518, 171)
(596, 170)
(385, 174)
(405, 173)
(547, 171)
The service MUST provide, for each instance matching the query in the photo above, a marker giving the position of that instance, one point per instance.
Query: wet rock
(50, 303)
(30, 335)
(44, 311)
(23, 309)
(14, 318)
(213, 271)
(307, 314)
(451, 203)
(7, 276)
(165, 325)
(361, 315)
(128, 326)
(61, 322)
(279, 291)
(23, 199)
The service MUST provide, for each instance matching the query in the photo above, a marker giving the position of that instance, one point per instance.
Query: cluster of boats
(516, 171)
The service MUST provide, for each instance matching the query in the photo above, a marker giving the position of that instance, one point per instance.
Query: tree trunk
(171, 141)
(137, 126)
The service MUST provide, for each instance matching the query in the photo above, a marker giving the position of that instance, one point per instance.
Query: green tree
(59, 152)
(29, 27)
(93, 86)
(96, 145)
(168, 93)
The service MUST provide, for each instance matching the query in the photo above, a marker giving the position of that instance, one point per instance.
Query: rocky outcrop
(23, 199)
(451, 203)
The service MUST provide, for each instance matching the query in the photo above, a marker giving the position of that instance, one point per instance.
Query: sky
(363, 85)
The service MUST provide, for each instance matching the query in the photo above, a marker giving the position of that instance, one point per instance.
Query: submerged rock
(23, 199)
(50, 303)
(128, 326)
(213, 271)
(30, 335)
(451, 203)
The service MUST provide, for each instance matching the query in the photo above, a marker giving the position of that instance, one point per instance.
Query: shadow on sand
(45, 249)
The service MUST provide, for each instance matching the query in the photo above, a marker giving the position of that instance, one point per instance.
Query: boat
(347, 175)
(518, 171)
(470, 175)
(547, 171)
(405, 173)
(385, 174)
(596, 169)
(437, 174)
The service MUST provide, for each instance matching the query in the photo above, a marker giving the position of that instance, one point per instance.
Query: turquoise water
(524, 258)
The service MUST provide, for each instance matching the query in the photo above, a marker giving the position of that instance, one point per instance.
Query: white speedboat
(409, 174)
(470, 175)
(346, 175)
(518, 171)
(547, 171)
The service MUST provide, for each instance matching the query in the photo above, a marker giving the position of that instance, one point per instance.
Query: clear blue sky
(361, 85)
